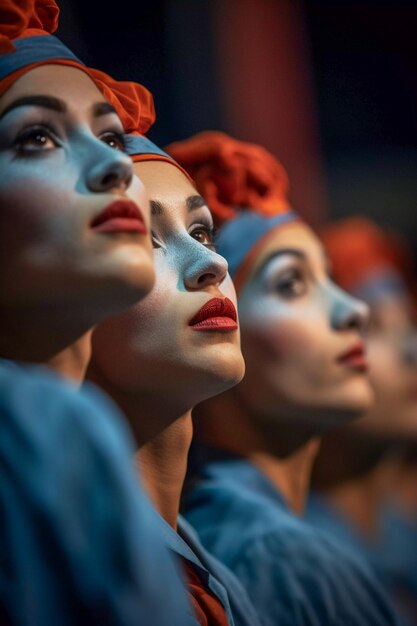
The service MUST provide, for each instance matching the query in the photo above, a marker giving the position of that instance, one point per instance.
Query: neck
(162, 462)
(291, 475)
(360, 499)
(72, 361)
(163, 435)
(284, 453)
(45, 337)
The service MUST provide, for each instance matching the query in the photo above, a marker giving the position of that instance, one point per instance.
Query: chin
(221, 369)
(351, 406)
(132, 277)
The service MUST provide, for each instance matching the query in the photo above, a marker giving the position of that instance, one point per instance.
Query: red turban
(27, 19)
(358, 248)
(233, 175)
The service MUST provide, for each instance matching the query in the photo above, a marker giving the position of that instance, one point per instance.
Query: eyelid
(156, 241)
(208, 229)
(27, 131)
(120, 135)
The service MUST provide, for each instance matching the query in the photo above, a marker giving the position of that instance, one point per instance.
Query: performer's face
(392, 342)
(61, 164)
(159, 346)
(301, 335)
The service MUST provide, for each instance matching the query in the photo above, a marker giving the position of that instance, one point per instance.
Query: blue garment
(398, 556)
(78, 539)
(322, 515)
(393, 558)
(293, 574)
(213, 574)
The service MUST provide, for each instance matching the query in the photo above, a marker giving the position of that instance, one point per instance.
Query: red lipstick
(119, 216)
(354, 358)
(217, 314)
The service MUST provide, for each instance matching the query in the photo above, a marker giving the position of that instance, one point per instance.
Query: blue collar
(239, 472)
(186, 544)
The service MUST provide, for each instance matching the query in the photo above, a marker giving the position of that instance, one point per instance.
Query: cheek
(228, 289)
(385, 370)
(33, 209)
(141, 335)
(279, 341)
(137, 192)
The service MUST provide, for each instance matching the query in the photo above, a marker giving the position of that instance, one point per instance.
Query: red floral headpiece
(357, 248)
(21, 21)
(233, 175)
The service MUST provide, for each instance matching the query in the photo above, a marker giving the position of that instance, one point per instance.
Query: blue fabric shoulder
(293, 574)
(78, 542)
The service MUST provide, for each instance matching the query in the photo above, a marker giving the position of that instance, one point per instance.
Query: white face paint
(153, 348)
(301, 336)
(61, 165)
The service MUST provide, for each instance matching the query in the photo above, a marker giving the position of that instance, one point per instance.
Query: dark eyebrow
(46, 102)
(55, 104)
(192, 203)
(195, 202)
(277, 253)
(157, 208)
(103, 108)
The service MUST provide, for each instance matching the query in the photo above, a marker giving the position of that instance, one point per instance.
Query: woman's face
(61, 165)
(163, 345)
(392, 345)
(301, 336)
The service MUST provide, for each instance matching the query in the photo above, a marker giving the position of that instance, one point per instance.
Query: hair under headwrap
(365, 260)
(245, 187)
(26, 42)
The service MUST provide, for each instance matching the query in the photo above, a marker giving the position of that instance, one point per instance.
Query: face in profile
(69, 234)
(392, 342)
(182, 341)
(301, 336)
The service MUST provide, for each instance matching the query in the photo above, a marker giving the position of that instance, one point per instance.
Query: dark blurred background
(329, 87)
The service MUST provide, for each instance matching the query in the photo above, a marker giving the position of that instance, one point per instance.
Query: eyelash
(208, 230)
(114, 134)
(46, 129)
(285, 284)
(40, 129)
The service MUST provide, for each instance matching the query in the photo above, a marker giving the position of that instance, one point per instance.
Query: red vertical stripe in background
(266, 89)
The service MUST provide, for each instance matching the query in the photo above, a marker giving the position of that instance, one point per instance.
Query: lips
(354, 358)
(119, 216)
(218, 314)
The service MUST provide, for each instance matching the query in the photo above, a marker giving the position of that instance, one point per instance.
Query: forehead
(165, 183)
(69, 84)
(295, 236)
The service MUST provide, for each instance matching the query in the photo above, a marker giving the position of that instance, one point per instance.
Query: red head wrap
(25, 18)
(21, 19)
(233, 175)
(359, 248)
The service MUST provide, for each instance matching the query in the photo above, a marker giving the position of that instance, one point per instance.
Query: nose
(111, 169)
(347, 312)
(204, 268)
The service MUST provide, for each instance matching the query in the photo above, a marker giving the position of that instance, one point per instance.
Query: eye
(36, 139)
(291, 284)
(155, 242)
(115, 140)
(204, 234)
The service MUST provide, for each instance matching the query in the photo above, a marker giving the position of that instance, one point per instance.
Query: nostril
(205, 277)
(109, 179)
